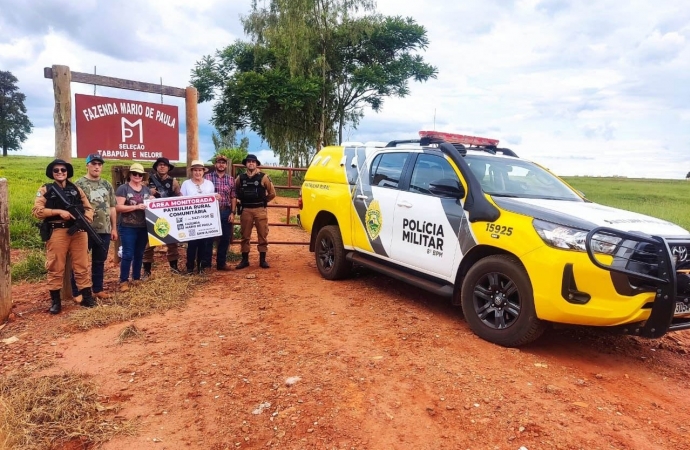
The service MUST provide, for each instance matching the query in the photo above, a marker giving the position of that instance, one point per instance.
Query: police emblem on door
(373, 219)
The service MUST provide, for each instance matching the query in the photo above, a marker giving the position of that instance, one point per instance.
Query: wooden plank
(120, 83)
(5, 272)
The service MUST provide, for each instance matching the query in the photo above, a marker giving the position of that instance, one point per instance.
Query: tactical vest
(167, 187)
(70, 192)
(252, 192)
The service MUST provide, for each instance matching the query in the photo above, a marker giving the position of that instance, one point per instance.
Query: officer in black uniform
(162, 185)
(254, 190)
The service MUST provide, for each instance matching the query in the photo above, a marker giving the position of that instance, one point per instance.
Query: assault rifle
(80, 221)
(159, 187)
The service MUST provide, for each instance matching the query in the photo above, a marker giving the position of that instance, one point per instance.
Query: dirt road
(288, 360)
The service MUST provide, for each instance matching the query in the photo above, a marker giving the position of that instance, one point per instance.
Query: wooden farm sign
(126, 129)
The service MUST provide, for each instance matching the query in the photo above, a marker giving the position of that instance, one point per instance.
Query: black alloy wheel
(330, 254)
(498, 302)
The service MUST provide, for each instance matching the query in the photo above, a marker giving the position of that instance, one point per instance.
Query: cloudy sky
(589, 87)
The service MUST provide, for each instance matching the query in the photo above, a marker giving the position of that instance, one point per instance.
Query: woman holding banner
(198, 250)
(132, 226)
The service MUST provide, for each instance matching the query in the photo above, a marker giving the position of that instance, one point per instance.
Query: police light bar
(453, 138)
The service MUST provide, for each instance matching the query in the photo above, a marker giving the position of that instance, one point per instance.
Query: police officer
(162, 185)
(254, 190)
(56, 223)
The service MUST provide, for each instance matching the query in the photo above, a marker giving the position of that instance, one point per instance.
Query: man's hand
(65, 215)
(231, 217)
(154, 192)
(113, 235)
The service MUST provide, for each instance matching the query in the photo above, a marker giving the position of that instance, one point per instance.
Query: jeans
(98, 259)
(223, 242)
(199, 251)
(133, 245)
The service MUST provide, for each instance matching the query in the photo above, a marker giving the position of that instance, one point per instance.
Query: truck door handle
(405, 204)
(362, 197)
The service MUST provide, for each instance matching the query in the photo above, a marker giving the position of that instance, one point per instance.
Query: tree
(309, 71)
(14, 123)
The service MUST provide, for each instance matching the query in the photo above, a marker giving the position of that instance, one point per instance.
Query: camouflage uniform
(101, 195)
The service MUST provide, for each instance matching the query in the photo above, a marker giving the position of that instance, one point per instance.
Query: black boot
(173, 267)
(87, 298)
(55, 302)
(262, 261)
(147, 269)
(245, 261)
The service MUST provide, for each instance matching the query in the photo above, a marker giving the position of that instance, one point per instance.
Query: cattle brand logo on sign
(373, 219)
(126, 129)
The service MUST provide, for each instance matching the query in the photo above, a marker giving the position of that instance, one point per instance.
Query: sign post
(62, 77)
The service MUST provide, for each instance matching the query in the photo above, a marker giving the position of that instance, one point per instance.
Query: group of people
(121, 213)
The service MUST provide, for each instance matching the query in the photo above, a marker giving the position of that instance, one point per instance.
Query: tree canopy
(14, 123)
(310, 69)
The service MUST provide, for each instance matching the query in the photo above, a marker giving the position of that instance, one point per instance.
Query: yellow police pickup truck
(504, 238)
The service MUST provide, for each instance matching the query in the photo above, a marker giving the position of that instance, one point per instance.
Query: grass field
(666, 199)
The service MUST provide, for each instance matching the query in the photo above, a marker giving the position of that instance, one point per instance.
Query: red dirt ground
(380, 365)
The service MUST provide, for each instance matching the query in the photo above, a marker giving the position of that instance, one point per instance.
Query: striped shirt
(225, 186)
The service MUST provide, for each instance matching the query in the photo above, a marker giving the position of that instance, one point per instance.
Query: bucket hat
(251, 157)
(57, 162)
(166, 161)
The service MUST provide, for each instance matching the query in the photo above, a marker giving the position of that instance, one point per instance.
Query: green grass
(666, 199)
(31, 269)
(25, 174)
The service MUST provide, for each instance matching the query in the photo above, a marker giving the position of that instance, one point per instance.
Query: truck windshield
(510, 177)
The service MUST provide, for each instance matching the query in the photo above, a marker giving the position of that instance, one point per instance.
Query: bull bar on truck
(650, 266)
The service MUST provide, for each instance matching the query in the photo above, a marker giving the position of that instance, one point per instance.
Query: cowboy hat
(198, 164)
(136, 168)
(251, 157)
(59, 162)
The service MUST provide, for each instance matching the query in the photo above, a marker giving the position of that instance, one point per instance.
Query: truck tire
(330, 254)
(498, 303)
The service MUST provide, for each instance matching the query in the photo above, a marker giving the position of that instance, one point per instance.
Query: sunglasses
(59, 170)
(135, 174)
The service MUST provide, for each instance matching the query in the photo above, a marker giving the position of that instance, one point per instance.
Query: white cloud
(586, 87)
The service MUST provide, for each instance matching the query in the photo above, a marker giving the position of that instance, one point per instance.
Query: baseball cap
(221, 158)
(94, 157)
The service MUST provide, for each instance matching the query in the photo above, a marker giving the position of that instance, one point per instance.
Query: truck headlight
(560, 236)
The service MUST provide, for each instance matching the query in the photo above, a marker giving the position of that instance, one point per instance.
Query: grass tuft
(31, 269)
(129, 332)
(56, 411)
(161, 292)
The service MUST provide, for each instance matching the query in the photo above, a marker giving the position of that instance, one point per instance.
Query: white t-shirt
(189, 188)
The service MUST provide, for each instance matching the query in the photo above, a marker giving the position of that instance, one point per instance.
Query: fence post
(5, 273)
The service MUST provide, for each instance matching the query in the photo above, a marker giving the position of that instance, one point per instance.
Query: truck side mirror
(447, 187)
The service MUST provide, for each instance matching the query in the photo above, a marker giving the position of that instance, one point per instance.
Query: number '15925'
(499, 229)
